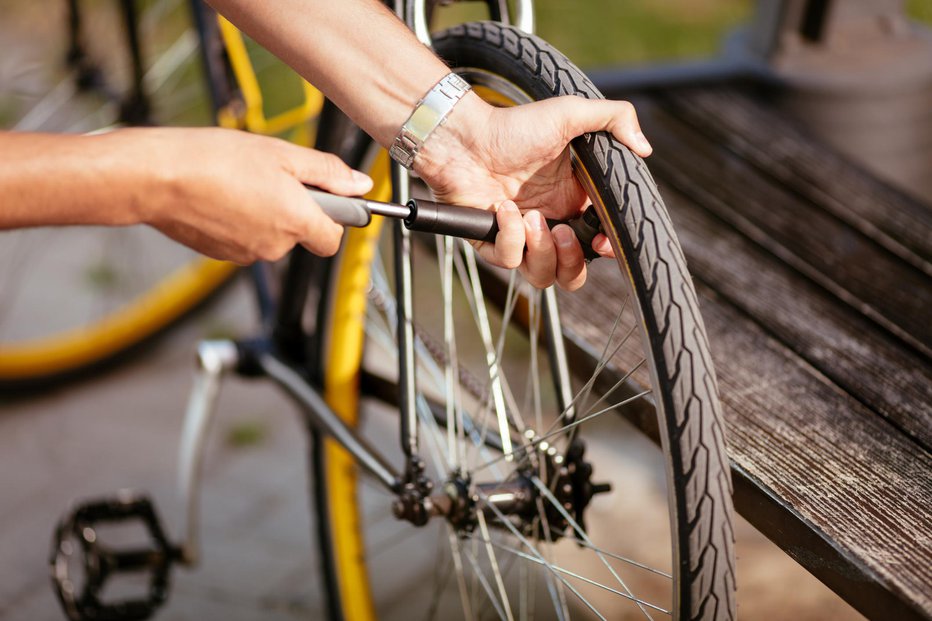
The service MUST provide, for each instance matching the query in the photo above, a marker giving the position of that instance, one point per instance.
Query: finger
(571, 266)
(540, 261)
(617, 117)
(326, 171)
(601, 245)
(321, 235)
(508, 250)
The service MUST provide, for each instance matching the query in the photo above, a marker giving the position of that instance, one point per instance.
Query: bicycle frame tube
(321, 417)
(404, 303)
(415, 14)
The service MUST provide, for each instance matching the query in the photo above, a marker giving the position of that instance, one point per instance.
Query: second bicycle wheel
(579, 518)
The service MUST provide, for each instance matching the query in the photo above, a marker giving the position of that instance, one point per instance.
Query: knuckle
(539, 282)
(626, 108)
(573, 282)
(333, 165)
(273, 251)
(331, 246)
(511, 262)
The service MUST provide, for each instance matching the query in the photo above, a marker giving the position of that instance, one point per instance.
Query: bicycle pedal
(82, 565)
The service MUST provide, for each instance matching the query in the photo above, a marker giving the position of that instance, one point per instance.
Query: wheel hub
(568, 479)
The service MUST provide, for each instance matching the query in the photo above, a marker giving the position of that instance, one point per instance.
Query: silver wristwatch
(429, 113)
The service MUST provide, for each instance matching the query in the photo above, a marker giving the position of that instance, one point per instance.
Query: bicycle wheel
(577, 519)
(75, 298)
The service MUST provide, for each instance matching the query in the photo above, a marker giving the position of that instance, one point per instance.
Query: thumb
(619, 118)
(328, 172)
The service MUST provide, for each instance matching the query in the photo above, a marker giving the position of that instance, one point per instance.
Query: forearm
(50, 179)
(356, 51)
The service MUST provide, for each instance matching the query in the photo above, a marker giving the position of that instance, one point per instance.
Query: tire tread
(671, 310)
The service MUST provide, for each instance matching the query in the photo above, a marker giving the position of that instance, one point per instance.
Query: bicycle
(493, 464)
(115, 301)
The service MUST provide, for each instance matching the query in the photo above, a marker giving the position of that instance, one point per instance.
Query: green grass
(599, 33)
(245, 434)
(596, 33)
(102, 276)
(920, 10)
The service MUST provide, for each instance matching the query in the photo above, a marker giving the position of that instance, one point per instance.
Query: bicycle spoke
(563, 570)
(480, 576)
(619, 557)
(388, 542)
(582, 535)
(159, 75)
(496, 571)
(482, 322)
(572, 425)
(554, 588)
(615, 386)
(584, 392)
(534, 370)
(456, 550)
(45, 108)
(447, 568)
(455, 428)
(508, 525)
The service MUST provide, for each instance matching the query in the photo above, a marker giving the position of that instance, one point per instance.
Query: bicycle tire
(683, 382)
(141, 302)
(32, 356)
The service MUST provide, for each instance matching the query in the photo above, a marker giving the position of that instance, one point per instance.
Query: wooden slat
(784, 151)
(816, 286)
(846, 262)
(846, 494)
(867, 363)
(839, 472)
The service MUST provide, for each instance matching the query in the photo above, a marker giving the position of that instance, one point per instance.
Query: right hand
(239, 197)
(517, 160)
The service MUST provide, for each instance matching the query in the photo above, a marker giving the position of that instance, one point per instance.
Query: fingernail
(534, 220)
(563, 235)
(641, 139)
(361, 178)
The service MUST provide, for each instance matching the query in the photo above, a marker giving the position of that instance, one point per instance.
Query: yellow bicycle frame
(253, 118)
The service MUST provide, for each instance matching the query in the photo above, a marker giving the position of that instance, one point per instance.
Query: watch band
(429, 113)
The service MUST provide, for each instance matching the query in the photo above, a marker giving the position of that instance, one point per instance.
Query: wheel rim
(564, 588)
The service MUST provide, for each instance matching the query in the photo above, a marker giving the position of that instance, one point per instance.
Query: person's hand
(517, 160)
(238, 196)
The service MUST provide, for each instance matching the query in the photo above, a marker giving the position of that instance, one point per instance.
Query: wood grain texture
(842, 344)
(841, 259)
(785, 151)
(838, 469)
(816, 289)
(846, 494)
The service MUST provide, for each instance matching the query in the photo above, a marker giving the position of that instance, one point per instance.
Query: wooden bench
(816, 288)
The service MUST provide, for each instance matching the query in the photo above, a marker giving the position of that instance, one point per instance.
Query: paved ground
(120, 429)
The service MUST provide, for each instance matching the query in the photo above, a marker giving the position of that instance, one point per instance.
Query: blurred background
(120, 428)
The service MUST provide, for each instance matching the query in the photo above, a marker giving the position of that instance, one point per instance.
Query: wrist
(456, 141)
(153, 165)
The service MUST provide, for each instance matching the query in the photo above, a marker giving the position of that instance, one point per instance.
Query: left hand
(517, 161)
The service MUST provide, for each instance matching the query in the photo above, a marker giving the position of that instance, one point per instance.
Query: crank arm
(213, 359)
